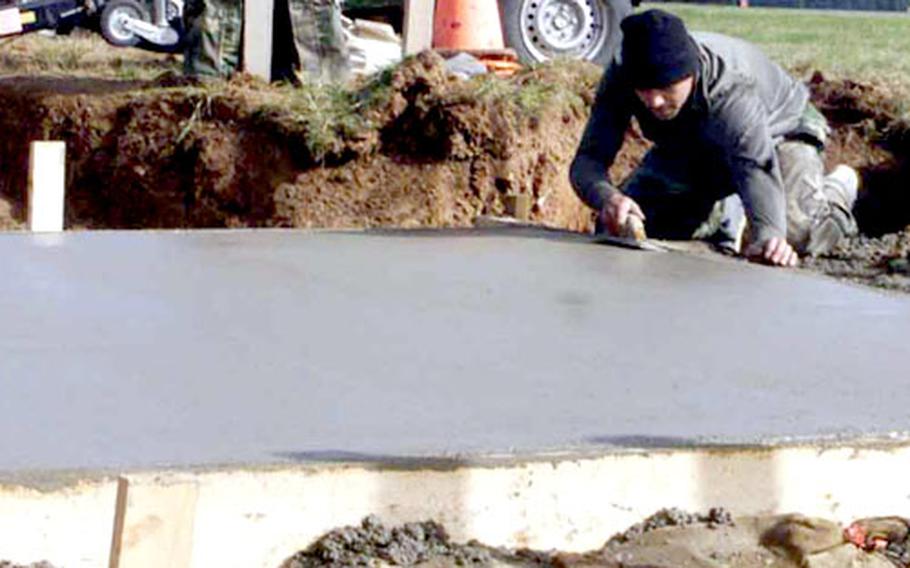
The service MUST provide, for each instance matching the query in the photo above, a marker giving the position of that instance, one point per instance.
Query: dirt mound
(673, 517)
(872, 135)
(881, 262)
(406, 545)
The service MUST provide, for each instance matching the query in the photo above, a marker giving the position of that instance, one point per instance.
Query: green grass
(864, 46)
(83, 54)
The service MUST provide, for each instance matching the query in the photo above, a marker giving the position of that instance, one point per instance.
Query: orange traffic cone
(467, 25)
(473, 26)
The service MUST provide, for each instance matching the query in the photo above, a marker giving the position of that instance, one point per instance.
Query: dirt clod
(405, 545)
(673, 517)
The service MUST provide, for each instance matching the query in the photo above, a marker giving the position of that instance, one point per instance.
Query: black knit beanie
(657, 50)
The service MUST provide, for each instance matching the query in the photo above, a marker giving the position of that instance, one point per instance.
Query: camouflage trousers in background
(213, 38)
(308, 42)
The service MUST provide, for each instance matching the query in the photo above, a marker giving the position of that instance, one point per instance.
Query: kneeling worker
(736, 139)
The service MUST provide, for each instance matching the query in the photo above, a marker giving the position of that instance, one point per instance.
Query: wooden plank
(153, 524)
(46, 186)
(418, 26)
(123, 486)
(258, 19)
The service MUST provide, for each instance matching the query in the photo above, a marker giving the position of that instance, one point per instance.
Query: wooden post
(518, 206)
(258, 18)
(418, 26)
(46, 186)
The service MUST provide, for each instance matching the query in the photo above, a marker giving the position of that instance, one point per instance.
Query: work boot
(834, 222)
(842, 186)
(725, 225)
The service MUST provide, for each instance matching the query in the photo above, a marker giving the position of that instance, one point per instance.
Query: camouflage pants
(308, 39)
(685, 196)
(214, 33)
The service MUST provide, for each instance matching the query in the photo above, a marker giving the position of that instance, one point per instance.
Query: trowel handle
(634, 228)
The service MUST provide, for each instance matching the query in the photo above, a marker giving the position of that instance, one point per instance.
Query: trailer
(123, 23)
(24, 16)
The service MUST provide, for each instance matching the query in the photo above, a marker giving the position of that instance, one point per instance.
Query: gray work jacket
(742, 105)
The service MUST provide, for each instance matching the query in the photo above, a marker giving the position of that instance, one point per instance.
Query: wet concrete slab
(131, 350)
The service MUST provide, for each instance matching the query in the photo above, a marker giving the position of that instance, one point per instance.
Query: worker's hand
(775, 251)
(616, 212)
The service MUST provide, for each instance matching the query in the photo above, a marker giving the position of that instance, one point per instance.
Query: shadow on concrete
(518, 230)
(376, 460)
(643, 442)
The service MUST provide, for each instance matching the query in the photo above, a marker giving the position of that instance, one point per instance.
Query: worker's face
(666, 102)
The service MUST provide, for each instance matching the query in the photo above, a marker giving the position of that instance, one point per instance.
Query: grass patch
(83, 54)
(326, 115)
(864, 46)
(532, 93)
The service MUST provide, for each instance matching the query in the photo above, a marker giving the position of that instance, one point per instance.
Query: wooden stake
(518, 206)
(418, 25)
(257, 38)
(46, 186)
(123, 486)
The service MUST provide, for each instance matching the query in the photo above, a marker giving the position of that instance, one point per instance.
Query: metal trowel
(632, 236)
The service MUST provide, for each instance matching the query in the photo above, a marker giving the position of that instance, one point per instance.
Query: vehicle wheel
(113, 18)
(540, 30)
(174, 12)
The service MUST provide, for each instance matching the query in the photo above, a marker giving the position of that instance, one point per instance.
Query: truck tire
(112, 17)
(540, 30)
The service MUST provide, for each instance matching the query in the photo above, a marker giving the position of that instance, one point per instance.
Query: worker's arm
(601, 142)
(742, 129)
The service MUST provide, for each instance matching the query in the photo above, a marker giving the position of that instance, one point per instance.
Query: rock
(798, 536)
(847, 556)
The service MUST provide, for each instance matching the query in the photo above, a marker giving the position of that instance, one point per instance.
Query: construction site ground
(415, 148)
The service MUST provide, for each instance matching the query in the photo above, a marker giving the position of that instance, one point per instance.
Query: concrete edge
(55, 480)
(185, 518)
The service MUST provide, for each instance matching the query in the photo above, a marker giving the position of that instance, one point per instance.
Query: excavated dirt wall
(429, 153)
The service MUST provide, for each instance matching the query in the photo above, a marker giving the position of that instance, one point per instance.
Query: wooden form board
(418, 26)
(153, 525)
(257, 37)
(46, 186)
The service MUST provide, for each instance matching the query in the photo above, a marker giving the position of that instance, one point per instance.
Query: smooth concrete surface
(137, 350)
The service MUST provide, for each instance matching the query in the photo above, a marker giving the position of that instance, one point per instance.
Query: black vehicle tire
(111, 25)
(540, 30)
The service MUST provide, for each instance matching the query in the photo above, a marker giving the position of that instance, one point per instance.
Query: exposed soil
(414, 147)
(427, 150)
(871, 135)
